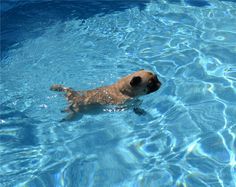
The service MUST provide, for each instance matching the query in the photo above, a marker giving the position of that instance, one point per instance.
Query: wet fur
(119, 93)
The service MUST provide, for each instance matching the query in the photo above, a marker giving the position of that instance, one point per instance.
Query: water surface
(186, 139)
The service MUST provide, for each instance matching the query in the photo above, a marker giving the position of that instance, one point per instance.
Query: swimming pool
(186, 139)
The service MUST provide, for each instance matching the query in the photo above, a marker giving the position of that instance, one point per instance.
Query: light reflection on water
(186, 139)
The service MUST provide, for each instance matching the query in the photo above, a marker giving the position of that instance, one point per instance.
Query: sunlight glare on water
(187, 137)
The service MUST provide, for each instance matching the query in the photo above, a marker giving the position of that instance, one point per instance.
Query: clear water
(188, 137)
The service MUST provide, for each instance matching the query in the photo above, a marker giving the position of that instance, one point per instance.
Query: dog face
(141, 83)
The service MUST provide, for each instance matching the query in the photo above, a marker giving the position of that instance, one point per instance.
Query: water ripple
(187, 137)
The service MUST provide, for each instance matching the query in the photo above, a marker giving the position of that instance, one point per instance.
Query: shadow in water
(30, 19)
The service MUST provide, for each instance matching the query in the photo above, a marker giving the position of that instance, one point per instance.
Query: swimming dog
(129, 87)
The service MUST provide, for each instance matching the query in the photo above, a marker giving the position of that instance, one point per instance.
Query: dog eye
(151, 83)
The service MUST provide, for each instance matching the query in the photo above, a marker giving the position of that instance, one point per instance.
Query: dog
(124, 90)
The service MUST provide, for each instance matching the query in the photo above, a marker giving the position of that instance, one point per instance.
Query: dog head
(140, 83)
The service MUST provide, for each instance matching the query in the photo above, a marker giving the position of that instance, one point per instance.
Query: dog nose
(158, 84)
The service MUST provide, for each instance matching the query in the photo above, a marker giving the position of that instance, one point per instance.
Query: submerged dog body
(137, 84)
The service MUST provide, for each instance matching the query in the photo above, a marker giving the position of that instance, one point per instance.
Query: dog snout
(158, 84)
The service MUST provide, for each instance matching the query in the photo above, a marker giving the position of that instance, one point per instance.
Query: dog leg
(139, 111)
(69, 117)
(73, 110)
(65, 110)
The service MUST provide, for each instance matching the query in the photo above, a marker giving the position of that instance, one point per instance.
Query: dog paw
(139, 111)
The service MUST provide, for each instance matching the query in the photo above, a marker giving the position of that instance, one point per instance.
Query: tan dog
(137, 84)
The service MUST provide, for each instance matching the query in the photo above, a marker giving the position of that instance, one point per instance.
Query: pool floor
(186, 139)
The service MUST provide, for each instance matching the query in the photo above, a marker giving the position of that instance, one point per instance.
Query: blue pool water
(187, 138)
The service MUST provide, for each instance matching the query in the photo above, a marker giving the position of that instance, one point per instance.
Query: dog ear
(135, 81)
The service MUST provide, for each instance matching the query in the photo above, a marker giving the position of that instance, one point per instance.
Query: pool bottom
(187, 137)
